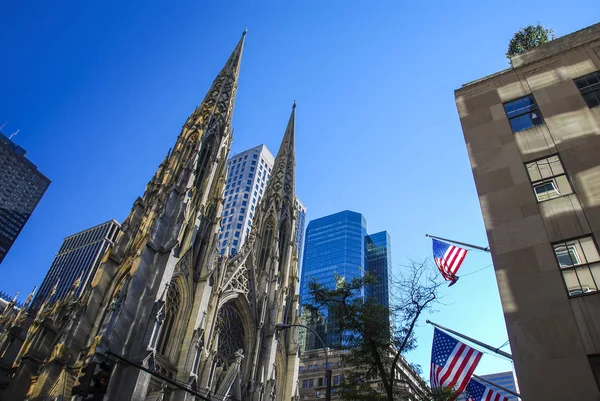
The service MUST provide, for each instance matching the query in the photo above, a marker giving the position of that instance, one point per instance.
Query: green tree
(528, 38)
(374, 337)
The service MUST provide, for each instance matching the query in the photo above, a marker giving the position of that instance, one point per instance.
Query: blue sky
(100, 90)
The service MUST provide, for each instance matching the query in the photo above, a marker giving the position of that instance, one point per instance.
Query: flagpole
(474, 341)
(481, 248)
(497, 385)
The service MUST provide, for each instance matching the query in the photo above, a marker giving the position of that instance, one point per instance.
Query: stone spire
(212, 117)
(281, 185)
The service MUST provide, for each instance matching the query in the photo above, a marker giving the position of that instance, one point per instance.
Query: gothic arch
(206, 156)
(175, 314)
(111, 302)
(284, 239)
(266, 240)
(246, 316)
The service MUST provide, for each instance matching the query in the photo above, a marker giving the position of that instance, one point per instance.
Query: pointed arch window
(206, 155)
(172, 307)
(282, 244)
(267, 239)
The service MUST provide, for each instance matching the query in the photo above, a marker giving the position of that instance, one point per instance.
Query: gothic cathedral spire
(167, 241)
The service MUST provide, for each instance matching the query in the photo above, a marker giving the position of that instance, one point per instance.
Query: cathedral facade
(167, 317)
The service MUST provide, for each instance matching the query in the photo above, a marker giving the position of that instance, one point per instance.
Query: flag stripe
(448, 258)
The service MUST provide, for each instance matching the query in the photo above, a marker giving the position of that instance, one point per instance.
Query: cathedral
(167, 316)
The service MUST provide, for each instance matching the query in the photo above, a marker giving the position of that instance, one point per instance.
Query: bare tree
(374, 336)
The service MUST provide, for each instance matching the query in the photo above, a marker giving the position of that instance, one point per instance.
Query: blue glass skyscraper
(338, 245)
(379, 263)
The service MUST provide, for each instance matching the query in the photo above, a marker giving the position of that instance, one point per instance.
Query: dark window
(548, 178)
(595, 364)
(579, 262)
(589, 87)
(523, 113)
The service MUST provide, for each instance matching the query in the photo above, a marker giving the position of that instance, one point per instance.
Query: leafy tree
(528, 38)
(374, 337)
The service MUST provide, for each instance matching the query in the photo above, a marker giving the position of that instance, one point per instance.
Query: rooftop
(546, 50)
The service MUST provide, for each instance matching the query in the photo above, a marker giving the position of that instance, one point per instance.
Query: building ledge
(546, 50)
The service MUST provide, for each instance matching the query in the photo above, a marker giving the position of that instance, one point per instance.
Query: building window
(523, 113)
(237, 234)
(235, 242)
(589, 87)
(595, 365)
(548, 178)
(336, 380)
(244, 203)
(579, 262)
(239, 225)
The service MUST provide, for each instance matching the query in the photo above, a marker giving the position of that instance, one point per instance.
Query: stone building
(166, 317)
(533, 137)
(312, 382)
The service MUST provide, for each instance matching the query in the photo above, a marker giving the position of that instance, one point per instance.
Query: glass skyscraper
(379, 263)
(79, 256)
(338, 245)
(21, 188)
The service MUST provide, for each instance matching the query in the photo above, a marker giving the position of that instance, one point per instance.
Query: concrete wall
(551, 334)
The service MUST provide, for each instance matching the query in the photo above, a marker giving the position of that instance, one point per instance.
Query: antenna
(14, 133)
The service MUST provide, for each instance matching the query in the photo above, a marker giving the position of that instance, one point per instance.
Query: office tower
(312, 384)
(506, 380)
(78, 257)
(247, 175)
(300, 231)
(21, 188)
(533, 138)
(379, 263)
(338, 246)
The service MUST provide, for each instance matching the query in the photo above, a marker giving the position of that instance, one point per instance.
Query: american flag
(452, 362)
(476, 391)
(448, 259)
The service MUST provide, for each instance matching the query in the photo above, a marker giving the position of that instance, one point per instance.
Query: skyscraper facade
(21, 188)
(338, 246)
(247, 176)
(379, 263)
(533, 138)
(506, 380)
(78, 257)
(334, 248)
(300, 231)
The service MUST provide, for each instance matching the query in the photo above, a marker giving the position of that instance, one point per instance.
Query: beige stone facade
(312, 384)
(536, 165)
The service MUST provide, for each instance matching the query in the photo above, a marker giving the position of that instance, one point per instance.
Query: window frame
(594, 88)
(549, 179)
(577, 266)
(528, 110)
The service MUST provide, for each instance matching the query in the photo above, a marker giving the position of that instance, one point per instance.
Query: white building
(247, 175)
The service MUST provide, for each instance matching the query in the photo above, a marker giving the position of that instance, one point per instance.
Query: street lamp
(283, 326)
